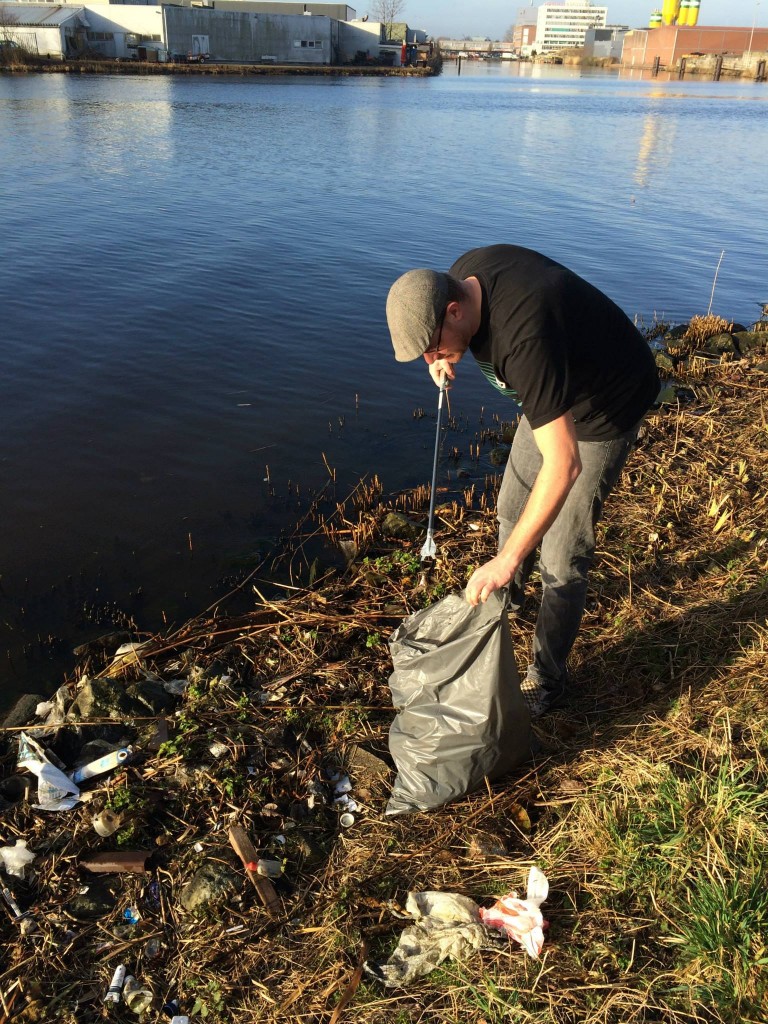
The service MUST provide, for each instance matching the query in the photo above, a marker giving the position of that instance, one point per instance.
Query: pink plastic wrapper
(522, 920)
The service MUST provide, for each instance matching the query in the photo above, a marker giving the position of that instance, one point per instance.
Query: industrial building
(670, 43)
(563, 26)
(478, 48)
(674, 33)
(242, 36)
(524, 31)
(143, 32)
(605, 43)
(341, 12)
(237, 31)
(57, 30)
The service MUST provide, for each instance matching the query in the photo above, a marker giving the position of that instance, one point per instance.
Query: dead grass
(702, 327)
(646, 806)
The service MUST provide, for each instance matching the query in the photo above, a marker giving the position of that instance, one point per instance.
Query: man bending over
(584, 377)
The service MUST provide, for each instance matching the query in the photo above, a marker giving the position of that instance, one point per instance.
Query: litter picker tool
(429, 550)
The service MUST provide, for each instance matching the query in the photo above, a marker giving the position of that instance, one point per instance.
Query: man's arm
(560, 467)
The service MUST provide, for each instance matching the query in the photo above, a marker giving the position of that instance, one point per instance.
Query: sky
(491, 18)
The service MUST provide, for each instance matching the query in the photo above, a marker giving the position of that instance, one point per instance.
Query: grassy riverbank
(646, 807)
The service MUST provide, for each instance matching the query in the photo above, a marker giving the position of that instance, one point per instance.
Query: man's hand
(489, 577)
(440, 369)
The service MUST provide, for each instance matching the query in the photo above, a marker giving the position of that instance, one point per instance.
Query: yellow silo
(669, 10)
(655, 20)
(682, 17)
(693, 11)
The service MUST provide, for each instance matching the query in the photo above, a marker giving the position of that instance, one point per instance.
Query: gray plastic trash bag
(461, 716)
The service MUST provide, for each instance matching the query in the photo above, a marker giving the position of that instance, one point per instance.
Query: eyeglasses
(431, 349)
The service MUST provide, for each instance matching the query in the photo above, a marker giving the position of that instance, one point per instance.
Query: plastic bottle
(131, 915)
(116, 985)
(138, 997)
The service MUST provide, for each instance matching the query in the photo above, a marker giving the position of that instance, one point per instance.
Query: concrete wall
(359, 36)
(745, 64)
(671, 42)
(47, 40)
(236, 36)
(129, 24)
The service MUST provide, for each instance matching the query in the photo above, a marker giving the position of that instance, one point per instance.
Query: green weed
(682, 844)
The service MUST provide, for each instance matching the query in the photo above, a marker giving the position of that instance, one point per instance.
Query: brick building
(671, 42)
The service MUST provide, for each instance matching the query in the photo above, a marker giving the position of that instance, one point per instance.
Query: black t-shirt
(553, 342)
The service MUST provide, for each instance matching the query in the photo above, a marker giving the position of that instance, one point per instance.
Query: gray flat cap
(415, 306)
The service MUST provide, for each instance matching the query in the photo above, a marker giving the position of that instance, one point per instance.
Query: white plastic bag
(55, 792)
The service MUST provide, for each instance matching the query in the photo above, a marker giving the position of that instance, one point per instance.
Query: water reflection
(639, 75)
(655, 151)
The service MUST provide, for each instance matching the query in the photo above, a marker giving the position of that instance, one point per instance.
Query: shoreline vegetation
(85, 66)
(697, 66)
(646, 803)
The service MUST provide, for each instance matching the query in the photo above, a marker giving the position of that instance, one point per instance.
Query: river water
(193, 286)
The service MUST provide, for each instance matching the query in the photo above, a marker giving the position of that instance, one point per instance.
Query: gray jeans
(567, 548)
